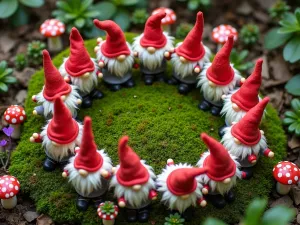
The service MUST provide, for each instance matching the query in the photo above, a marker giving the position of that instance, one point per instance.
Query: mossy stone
(161, 124)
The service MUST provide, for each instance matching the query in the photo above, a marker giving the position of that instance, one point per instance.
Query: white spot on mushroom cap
(290, 181)
(6, 195)
(7, 117)
(13, 120)
(287, 174)
(279, 175)
(296, 178)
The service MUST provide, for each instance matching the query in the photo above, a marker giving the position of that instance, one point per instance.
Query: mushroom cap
(52, 28)
(221, 33)
(9, 187)
(15, 114)
(170, 17)
(286, 173)
(107, 216)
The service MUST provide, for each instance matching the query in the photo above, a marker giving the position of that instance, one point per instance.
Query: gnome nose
(182, 59)
(151, 50)
(185, 196)
(136, 187)
(83, 173)
(235, 107)
(86, 75)
(212, 84)
(227, 181)
(121, 58)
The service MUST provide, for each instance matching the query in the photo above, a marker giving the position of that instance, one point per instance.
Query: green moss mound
(162, 124)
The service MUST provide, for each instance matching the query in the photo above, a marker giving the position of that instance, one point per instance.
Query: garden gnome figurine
(134, 183)
(59, 137)
(218, 78)
(89, 170)
(181, 188)
(81, 70)
(238, 102)
(222, 173)
(114, 55)
(55, 85)
(189, 58)
(150, 47)
(245, 141)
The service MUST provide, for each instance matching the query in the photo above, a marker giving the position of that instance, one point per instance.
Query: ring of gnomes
(161, 124)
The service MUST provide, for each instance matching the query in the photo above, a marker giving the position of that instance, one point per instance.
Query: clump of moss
(157, 134)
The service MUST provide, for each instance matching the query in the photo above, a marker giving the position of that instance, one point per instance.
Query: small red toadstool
(221, 33)
(108, 218)
(52, 29)
(169, 19)
(9, 188)
(286, 174)
(15, 115)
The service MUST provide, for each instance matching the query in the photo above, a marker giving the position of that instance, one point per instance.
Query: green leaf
(243, 54)
(297, 130)
(290, 114)
(295, 103)
(32, 3)
(285, 30)
(291, 51)
(273, 39)
(293, 86)
(79, 23)
(64, 6)
(254, 212)
(85, 4)
(3, 87)
(7, 8)
(211, 221)
(279, 215)
(297, 14)
(129, 2)
(193, 4)
(292, 127)
(92, 14)
(106, 10)
(20, 17)
(10, 80)
(288, 121)
(288, 19)
(3, 65)
(123, 19)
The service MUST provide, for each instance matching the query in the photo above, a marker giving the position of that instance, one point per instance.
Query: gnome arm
(36, 138)
(205, 189)
(152, 194)
(122, 202)
(106, 174)
(168, 54)
(268, 153)
(201, 202)
(197, 69)
(65, 174)
(38, 110)
(241, 82)
(67, 79)
(101, 64)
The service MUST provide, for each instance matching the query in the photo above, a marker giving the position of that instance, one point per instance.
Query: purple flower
(3, 142)
(8, 131)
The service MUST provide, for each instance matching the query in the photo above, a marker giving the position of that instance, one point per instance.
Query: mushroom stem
(17, 131)
(9, 203)
(108, 222)
(283, 189)
(55, 44)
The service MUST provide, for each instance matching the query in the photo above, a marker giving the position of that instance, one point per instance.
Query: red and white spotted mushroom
(107, 218)
(286, 174)
(15, 115)
(221, 33)
(9, 188)
(169, 19)
(53, 29)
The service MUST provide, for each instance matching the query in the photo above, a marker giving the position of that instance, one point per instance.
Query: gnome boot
(204, 105)
(131, 215)
(217, 201)
(49, 164)
(82, 203)
(160, 77)
(143, 215)
(215, 110)
(148, 79)
(173, 81)
(247, 173)
(184, 88)
(115, 87)
(86, 102)
(188, 214)
(98, 200)
(221, 130)
(96, 94)
(130, 83)
(229, 196)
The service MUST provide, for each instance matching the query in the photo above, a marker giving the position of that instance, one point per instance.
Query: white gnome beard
(134, 198)
(85, 84)
(240, 150)
(216, 185)
(113, 65)
(70, 101)
(61, 151)
(93, 181)
(174, 202)
(152, 61)
(186, 69)
(215, 93)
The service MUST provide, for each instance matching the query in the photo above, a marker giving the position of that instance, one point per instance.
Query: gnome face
(240, 150)
(118, 65)
(86, 82)
(223, 186)
(152, 57)
(59, 151)
(177, 202)
(84, 181)
(136, 194)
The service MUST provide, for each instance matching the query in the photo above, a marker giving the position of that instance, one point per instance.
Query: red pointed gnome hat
(220, 71)
(79, 61)
(192, 48)
(62, 129)
(54, 82)
(131, 170)
(115, 43)
(247, 96)
(182, 181)
(247, 129)
(88, 158)
(153, 32)
(219, 164)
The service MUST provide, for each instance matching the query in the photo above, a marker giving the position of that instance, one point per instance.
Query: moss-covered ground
(162, 124)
